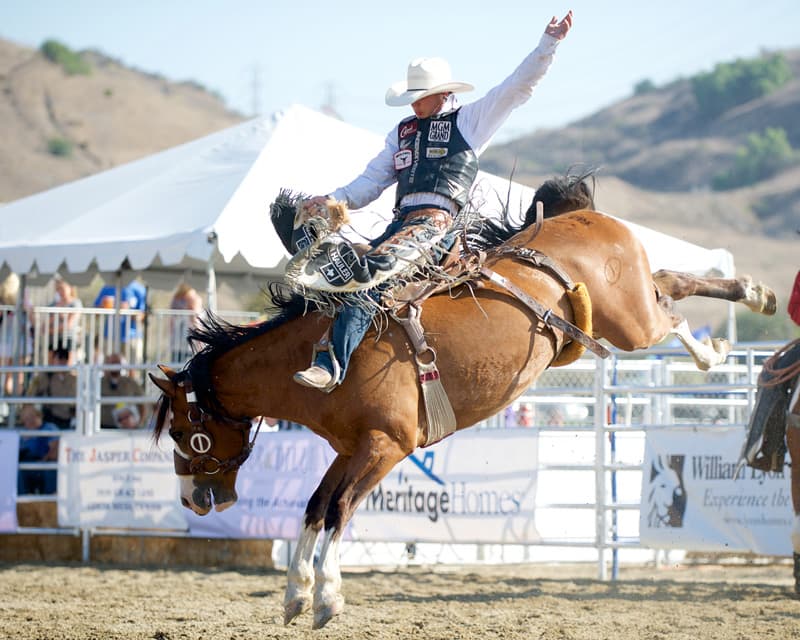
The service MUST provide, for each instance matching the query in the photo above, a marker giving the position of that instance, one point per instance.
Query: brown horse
(490, 347)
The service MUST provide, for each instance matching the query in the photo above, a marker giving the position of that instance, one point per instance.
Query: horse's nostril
(185, 503)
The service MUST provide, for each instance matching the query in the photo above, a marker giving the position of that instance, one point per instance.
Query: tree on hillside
(762, 157)
(734, 83)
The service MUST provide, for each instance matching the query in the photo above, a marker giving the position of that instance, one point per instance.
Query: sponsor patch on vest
(403, 159)
(435, 152)
(440, 131)
(408, 129)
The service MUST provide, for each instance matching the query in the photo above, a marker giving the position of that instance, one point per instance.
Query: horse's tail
(561, 194)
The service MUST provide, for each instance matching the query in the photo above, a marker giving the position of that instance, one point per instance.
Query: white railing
(605, 408)
(91, 333)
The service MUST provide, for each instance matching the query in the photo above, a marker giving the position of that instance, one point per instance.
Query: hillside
(661, 141)
(656, 156)
(109, 117)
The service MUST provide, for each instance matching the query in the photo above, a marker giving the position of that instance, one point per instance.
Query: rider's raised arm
(478, 121)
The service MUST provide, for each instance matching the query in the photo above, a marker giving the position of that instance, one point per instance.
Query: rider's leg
(349, 328)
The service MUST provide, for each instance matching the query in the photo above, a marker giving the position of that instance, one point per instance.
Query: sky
(263, 56)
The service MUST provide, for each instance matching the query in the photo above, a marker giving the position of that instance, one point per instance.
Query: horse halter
(201, 442)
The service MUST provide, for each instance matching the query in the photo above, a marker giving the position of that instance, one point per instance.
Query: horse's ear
(168, 387)
(167, 371)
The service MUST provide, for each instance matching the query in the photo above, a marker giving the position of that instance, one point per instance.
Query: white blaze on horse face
(188, 488)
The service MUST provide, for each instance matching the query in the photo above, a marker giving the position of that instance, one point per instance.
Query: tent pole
(117, 329)
(18, 346)
(211, 285)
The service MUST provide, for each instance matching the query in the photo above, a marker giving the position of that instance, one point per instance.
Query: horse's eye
(176, 435)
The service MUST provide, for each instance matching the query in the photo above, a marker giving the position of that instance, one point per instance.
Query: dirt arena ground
(73, 602)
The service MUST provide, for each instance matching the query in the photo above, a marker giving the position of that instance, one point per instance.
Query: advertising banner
(117, 480)
(695, 497)
(9, 455)
(474, 486)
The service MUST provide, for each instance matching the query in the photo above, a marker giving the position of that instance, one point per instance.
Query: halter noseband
(201, 441)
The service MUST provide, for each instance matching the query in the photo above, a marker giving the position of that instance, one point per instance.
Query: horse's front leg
(375, 458)
(300, 575)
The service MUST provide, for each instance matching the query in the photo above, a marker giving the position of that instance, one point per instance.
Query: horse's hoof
(324, 614)
(760, 298)
(770, 301)
(722, 347)
(295, 607)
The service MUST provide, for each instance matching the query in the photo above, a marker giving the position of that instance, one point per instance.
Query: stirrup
(325, 344)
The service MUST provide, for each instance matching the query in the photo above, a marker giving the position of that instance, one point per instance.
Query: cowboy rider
(433, 158)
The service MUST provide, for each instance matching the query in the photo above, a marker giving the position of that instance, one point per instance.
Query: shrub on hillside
(762, 157)
(59, 147)
(643, 86)
(69, 60)
(734, 83)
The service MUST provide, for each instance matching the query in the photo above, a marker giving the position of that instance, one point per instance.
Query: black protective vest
(434, 158)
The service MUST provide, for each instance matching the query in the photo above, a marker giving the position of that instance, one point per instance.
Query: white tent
(204, 205)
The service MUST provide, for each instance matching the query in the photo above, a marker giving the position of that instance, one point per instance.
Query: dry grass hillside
(110, 116)
(116, 114)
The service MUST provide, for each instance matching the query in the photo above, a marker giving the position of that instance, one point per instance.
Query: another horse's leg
(793, 444)
(677, 285)
(368, 466)
(300, 575)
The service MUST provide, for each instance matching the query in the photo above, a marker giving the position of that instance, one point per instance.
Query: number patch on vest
(403, 159)
(439, 131)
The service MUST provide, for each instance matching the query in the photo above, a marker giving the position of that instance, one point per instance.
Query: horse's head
(208, 448)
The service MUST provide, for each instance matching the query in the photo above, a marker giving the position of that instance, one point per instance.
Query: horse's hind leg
(705, 354)
(677, 285)
(300, 575)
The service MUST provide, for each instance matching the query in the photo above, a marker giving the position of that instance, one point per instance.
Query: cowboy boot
(317, 376)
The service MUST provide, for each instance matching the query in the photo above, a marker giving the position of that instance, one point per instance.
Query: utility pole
(256, 89)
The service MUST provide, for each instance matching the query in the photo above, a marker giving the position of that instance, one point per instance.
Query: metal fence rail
(602, 409)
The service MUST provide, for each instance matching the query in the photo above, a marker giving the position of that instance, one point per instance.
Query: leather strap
(546, 315)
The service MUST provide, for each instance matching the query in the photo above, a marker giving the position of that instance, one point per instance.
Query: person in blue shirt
(132, 296)
(36, 449)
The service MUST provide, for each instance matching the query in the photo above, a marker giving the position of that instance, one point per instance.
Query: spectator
(64, 327)
(114, 383)
(127, 417)
(9, 290)
(134, 297)
(36, 449)
(188, 302)
(56, 384)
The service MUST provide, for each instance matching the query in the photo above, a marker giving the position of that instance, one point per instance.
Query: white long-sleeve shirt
(477, 121)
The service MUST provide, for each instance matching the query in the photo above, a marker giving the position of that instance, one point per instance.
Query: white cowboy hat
(425, 77)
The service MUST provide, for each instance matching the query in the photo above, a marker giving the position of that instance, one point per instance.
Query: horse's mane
(214, 336)
(558, 195)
